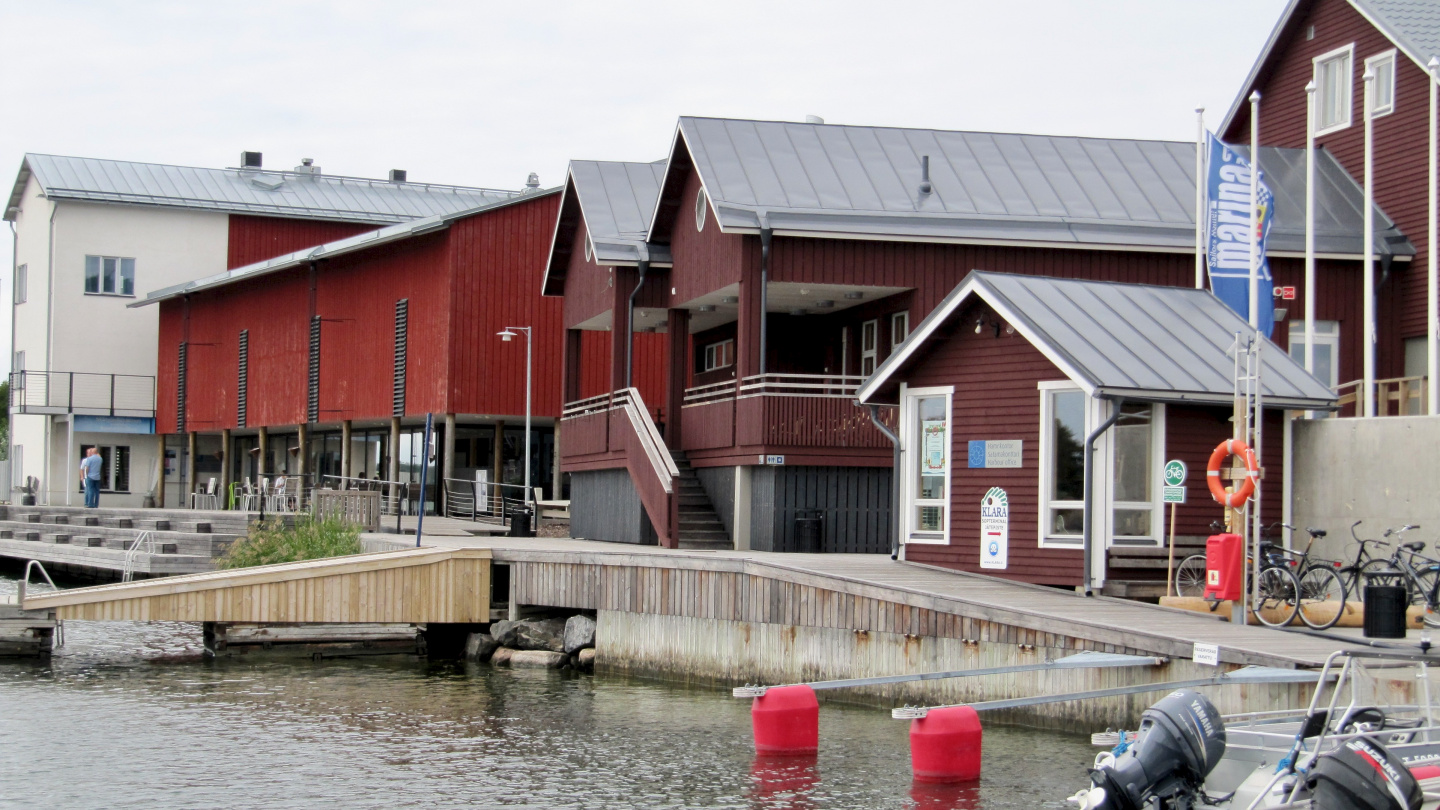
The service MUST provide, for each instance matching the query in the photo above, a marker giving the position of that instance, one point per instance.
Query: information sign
(1207, 654)
(996, 453)
(994, 529)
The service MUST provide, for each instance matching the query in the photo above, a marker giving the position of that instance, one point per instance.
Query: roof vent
(397, 175)
(814, 119)
(269, 182)
(250, 160)
(532, 183)
(307, 166)
(924, 174)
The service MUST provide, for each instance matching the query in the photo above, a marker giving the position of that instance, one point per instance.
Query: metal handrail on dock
(23, 586)
(464, 501)
(147, 540)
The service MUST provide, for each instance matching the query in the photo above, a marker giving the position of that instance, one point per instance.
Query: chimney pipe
(924, 174)
(307, 166)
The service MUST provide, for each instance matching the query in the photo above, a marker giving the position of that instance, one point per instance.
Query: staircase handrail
(651, 441)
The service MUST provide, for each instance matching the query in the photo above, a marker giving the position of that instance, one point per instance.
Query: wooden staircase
(700, 527)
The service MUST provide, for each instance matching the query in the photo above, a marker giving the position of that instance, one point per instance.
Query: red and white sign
(1287, 293)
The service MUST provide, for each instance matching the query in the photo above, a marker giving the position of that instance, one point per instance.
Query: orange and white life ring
(1242, 493)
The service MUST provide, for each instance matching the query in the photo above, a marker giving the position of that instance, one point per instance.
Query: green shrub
(272, 542)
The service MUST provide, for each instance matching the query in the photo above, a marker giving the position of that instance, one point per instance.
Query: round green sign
(1174, 473)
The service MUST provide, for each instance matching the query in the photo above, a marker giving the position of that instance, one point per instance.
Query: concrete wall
(605, 506)
(719, 484)
(1383, 471)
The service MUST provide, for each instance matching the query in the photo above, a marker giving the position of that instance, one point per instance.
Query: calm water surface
(132, 715)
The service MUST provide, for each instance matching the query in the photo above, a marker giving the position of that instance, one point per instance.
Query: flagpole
(1310, 229)
(1369, 248)
(1432, 369)
(1201, 181)
(1254, 209)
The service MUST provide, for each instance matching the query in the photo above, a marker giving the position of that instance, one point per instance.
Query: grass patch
(271, 542)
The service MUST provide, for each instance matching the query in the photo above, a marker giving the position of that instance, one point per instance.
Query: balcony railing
(57, 392)
(780, 410)
(1396, 396)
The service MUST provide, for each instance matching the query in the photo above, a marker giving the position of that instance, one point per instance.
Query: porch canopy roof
(1138, 341)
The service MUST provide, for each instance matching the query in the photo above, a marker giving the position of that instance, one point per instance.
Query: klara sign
(994, 529)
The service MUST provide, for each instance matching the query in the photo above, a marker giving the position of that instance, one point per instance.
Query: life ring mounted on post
(1242, 493)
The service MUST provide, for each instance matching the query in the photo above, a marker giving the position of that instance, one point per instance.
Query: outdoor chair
(206, 498)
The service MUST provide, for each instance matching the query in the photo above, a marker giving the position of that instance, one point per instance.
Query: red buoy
(786, 720)
(945, 745)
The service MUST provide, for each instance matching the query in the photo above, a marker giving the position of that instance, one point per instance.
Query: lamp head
(506, 335)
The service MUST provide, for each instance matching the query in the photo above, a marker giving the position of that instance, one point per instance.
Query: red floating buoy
(945, 745)
(786, 720)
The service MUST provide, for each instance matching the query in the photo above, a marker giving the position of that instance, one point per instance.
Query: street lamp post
(507, 335)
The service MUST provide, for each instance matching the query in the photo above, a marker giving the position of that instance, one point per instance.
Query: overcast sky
(482, 93)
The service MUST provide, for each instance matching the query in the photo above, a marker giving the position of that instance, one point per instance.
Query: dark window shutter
(312, 402)
(180, 373)
(402, 328)
(242, 388)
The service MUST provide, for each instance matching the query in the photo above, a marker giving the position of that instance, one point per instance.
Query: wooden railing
(619, 422)
(780, 410)
(353, 506)
(1396, 396)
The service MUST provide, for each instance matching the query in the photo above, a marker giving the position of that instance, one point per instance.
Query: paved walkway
(1115, 621)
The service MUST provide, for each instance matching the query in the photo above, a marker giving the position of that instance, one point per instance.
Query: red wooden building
(1333, 42)
(325, 361)
(783, 262)
(1002, 385)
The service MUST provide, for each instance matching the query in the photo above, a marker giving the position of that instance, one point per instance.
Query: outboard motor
(1181, 740)
(1362, 775)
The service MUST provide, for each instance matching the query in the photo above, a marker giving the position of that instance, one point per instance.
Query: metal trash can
(1385, 605)
(809, 529)
(520, 522)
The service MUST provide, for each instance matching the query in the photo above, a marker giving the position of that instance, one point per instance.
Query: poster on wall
(994, 529)
(935, 460)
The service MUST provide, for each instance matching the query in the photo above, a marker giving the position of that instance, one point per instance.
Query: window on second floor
(1333, 82)
(899, 328)
(720, 355)
(22, 283)
(869, 347)
(1382, 91)
(109, 275)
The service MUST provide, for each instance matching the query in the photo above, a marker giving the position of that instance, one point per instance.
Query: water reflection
(132, 715)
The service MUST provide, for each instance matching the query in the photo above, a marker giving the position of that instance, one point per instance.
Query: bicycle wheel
(1279, 597)
(1190, 576)
(1322, 597)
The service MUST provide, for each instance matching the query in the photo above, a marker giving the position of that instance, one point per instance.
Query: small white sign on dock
(1207, 654)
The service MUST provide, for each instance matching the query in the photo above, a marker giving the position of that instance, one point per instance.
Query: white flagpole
(1369, 248)
(1201, 182)
(1432, 368)
(1254, 205)
(1310, 228)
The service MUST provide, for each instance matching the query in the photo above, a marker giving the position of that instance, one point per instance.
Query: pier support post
(225, 463)
(555, 480)
(498, 462)
(447, 464)
(345, 452)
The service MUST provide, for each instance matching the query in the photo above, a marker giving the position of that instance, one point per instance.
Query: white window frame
(1331, 339)
(701, 203)
(909, 483)
(1348, 53)
(844, 350)
(1096, 411)
(22, 284)
(899, 328)
(720, 354)
(110, 469)
(19, 361)
(117, 280)
(1374, 62)
(869, 355)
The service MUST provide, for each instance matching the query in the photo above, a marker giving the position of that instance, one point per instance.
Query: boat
(1368, 740)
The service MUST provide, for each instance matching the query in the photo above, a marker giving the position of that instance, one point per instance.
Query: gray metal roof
(329, 250)
(1162, 344)
(250, 191)
(815, 179)
(615, 200)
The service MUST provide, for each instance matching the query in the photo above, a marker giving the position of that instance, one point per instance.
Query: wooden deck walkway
(1107, 621)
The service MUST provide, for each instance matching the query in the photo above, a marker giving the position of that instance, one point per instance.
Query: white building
(92, 236)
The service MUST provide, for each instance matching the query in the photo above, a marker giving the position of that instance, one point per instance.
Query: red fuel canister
(1224, 566)
(786, 720)
(945, 745)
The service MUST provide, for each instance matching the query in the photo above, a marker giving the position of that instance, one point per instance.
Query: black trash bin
(520, 522)
(1385, 604)
(809, 528)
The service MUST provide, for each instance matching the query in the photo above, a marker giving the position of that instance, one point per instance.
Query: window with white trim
(844, 350)
(114, 467)
(109, 275)
(1063, 426)
(1135, 440)
(22, 283)
(20, 364)
(1382, 90)
(899, 328)
(700, 206)
(1333, 82)
(720, 355)
(927, 417)
(1327, 349)
(869, 347)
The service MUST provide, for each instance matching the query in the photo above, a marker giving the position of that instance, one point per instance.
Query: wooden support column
(447, 461)
(262, 441)
(677, 326)
(393, 473)
(345, 431)
(225, 462)
(555, 480)
(302, 438)
(620, 337)
(160, 471)
(572, 364)
(498, 462)
(747, 336)
(191, 441)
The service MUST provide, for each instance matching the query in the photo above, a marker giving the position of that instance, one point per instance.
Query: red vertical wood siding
(255, 239)
(168, 363)
(1191, 434)
(1400, 146)
(705, 260)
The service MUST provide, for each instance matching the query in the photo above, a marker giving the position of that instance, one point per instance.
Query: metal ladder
(144, 544)
(20, 596)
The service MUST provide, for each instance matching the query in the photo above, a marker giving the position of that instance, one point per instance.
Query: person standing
(90, 477)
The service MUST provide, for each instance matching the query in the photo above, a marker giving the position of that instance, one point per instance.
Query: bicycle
(1422, 583)
(1277, 592)
(1320, 583)
(1350, 575)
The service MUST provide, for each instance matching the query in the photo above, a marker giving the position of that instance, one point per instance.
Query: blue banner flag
(1227, 204)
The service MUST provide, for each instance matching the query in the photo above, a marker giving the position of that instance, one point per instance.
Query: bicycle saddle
(1418, 545)
(1315, 532)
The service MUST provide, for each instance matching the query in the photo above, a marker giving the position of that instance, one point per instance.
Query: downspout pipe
(765, 235)
(1089, 540)
(644, 266)
(894, 527)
